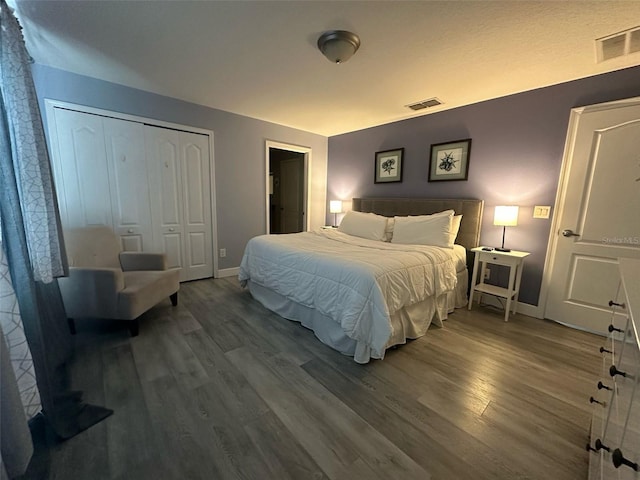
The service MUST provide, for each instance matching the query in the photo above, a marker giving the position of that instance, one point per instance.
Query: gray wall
(239, 144)
(516, 155)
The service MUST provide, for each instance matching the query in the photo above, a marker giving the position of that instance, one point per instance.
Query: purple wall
(516, 155)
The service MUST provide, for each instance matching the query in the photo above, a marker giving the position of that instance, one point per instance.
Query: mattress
(371, 294)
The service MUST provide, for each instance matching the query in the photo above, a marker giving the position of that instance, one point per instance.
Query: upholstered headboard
(470, 209)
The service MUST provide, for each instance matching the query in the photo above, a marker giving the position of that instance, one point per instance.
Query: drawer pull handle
(600, 445)
(593, 400)
(618, 459)
(602, 386)
(614, 329)
(621, 305)
(604, 350)
(613, 371)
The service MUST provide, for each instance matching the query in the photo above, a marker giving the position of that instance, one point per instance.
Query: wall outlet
(223, 252)
(487, 274)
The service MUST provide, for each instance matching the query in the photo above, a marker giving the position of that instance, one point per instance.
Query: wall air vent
(431, 102)
(618, 45)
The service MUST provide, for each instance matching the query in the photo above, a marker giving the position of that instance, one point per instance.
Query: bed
(362, 296)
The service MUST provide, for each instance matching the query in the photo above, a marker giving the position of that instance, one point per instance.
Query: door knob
(569, 233)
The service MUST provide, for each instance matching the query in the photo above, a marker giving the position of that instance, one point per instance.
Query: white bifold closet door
(151, 184)
(178, 165)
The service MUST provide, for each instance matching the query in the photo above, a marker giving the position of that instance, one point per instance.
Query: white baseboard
(228, 272)
(524, 308)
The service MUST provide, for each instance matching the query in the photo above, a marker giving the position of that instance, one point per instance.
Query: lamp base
(502, 249)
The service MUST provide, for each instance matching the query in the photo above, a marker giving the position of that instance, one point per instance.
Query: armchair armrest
(91, 292)
(131, 261)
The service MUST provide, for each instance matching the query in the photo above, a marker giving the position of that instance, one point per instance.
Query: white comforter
(358, 283)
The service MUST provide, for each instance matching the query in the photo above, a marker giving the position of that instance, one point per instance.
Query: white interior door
(165, 180)
(599, 213)
(180, 190)
(196, 194)
(129, 185)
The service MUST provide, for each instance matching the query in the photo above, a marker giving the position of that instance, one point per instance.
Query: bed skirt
(408, 323)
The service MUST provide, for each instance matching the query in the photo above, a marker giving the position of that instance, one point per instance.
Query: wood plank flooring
(220, 388)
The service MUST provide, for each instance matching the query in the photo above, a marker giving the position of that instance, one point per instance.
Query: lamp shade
(335, 206)
(338, 45)
(506, 216)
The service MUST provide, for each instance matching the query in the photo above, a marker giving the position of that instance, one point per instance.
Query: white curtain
(16, 342)
(15, 438)
(33, 173)
(19, 392)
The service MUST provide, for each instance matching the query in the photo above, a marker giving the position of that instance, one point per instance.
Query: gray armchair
(105, 282)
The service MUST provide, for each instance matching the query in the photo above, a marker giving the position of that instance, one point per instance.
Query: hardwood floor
(220, 388)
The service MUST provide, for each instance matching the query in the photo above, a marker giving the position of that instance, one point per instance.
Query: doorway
(286, 188)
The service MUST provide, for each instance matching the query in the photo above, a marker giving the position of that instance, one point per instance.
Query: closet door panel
(126, 159)
(80, 169)
(197, 202)
(165, 183)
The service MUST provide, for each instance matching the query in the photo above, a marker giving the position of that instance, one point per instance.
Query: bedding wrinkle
(356, 282)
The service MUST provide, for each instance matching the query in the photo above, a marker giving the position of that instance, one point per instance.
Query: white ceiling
(259, 58)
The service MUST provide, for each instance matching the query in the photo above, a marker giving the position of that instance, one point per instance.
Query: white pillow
(364, 225)
(455, 227)
(424, 230)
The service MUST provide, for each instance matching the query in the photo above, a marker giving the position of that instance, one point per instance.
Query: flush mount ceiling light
(338, 45)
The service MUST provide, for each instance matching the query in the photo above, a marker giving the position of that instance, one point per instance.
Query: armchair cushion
(145, 289)
(142, 261)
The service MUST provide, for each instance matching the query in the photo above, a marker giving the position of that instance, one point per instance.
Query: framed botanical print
(388, 166)
(449, 161)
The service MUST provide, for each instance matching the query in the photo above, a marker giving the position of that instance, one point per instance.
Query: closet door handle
(569, 233)
(613, 371)
(618, 459)
(612, 303)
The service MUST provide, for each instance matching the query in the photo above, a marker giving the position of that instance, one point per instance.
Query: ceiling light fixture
(338, 45)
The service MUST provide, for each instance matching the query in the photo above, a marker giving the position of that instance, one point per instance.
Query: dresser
(614, 446)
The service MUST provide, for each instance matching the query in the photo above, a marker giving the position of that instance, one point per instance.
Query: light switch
(541, 211)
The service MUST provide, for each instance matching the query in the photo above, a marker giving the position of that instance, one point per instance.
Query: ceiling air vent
(618, 45)
(431, 102)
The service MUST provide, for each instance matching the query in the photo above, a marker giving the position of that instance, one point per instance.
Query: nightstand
(514, 260)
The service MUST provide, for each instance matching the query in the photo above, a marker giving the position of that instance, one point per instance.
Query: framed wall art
(388, 166)
(449, 161)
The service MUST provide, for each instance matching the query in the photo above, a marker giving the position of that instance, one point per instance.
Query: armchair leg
(72, 325)
(174, 299)
(134, 327)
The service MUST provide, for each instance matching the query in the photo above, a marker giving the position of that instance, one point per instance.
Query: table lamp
(335, 207)
(505, 216)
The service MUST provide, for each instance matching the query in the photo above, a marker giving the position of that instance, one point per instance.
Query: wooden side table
(514, 260)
